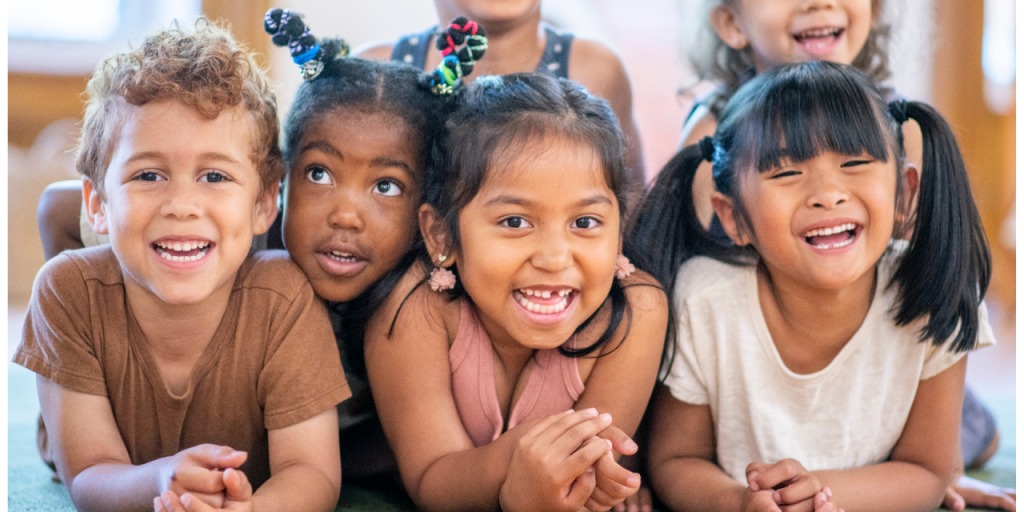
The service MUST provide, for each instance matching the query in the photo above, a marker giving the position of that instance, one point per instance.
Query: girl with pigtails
(819, 359)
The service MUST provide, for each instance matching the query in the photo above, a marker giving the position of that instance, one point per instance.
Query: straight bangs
(797, 113)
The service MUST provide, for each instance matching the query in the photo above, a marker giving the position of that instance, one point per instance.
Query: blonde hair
(204, 68)
(715, 60)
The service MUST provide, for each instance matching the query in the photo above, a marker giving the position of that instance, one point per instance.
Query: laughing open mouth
(544, 302)
(182, 251)
(833, 237)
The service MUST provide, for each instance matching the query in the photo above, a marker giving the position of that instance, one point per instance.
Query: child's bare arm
(305, 467)
(597, 68)
(922, 461)
(58, 217)
(92, 459)
(682, 459)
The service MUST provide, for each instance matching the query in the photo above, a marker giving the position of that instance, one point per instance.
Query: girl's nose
(346, 214)
(827, 193)
(554, 253)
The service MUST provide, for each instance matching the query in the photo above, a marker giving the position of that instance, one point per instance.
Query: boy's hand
(823, 501)
(968, 491)
(759, 501)
(238, 497)
(792, 486)
(199, 471)
(552, 465)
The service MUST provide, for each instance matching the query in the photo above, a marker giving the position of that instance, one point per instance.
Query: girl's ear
(913, 177)
(95, 206)
(435, 235)
(726, 215)
(727, 25)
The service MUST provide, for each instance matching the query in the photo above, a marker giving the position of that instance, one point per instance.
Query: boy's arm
(92, 459)
(305, 466)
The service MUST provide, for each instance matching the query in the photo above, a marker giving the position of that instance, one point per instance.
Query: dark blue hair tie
(707, 149)
(898, 111)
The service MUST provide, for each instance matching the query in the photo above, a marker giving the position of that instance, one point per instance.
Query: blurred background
(958, 56)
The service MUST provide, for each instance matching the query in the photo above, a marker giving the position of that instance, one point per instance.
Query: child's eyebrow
(323, 147)
(390, 162)
(505, 199)
(218, 157)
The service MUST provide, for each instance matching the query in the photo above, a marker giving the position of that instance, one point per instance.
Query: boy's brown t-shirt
(273, 361)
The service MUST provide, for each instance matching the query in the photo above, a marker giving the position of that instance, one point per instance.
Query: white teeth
(844, 243)
(546, 309)
(830, 231)
(182, 246)
(169, 257)
(820, 32)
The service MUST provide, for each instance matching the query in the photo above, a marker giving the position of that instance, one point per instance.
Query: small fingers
(168, 502)
(802, 488)
(616, 481)
(196, 479)
(587, 456)
(621, 442)
(754, 469)
(218, 456)
(238, 486)
(952, 500)
(582, 488)
(640, 502)
(564, 437)
(777, 474)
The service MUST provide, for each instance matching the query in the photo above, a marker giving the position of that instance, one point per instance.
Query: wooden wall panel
(987, 139)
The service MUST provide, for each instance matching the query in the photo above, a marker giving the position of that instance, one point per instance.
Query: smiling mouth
(833, 237)
(544, 302)
(819, 35)
(343, 257)
(182, 251)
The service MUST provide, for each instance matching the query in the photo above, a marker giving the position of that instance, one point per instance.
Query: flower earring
(623, 268)
(441, 279)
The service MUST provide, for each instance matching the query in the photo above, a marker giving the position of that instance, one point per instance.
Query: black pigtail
(666, 230)
(945, 272)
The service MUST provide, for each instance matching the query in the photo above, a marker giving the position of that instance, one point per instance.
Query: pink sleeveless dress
(553, 385)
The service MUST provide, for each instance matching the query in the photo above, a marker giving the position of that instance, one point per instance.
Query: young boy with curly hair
(176, 370)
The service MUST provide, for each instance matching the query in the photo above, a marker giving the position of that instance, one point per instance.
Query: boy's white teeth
(849, 226)
(169, 257)
(182, 246)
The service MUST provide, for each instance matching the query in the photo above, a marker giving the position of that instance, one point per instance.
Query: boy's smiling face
(181, 200)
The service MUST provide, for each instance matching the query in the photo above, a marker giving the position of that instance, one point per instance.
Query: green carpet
(30, 489)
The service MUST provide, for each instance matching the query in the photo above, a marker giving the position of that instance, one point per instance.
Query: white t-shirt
(849, 414)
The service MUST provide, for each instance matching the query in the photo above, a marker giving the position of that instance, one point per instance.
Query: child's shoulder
(644, 292)
(75, 267)
(413, 305)
(273, 270)
(704, 276)
(598, 68)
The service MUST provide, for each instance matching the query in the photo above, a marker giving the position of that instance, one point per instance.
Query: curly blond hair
(203, 67)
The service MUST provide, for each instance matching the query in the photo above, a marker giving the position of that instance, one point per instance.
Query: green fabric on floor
(29, 486)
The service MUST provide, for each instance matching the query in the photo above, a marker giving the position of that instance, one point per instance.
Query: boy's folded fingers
(803, 506)
(585, 457)
(238, 486)
(564, 424)
(217, 456)
(198, 480)
(581, 490)
(600, 500)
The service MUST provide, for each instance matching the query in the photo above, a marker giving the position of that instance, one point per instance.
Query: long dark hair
(496, 113)
(817, 107)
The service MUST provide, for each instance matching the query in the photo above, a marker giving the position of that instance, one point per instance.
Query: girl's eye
(318, 175)
(585, 223)
(214, 177)
(784, 174)
(515, 223)
(388, 188)
(854, 163)
(148, 176)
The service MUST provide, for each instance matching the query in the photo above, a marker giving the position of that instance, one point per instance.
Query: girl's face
(352, 195)
(539, 243)
(785, 31)
(491, 11)
(823, 223)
